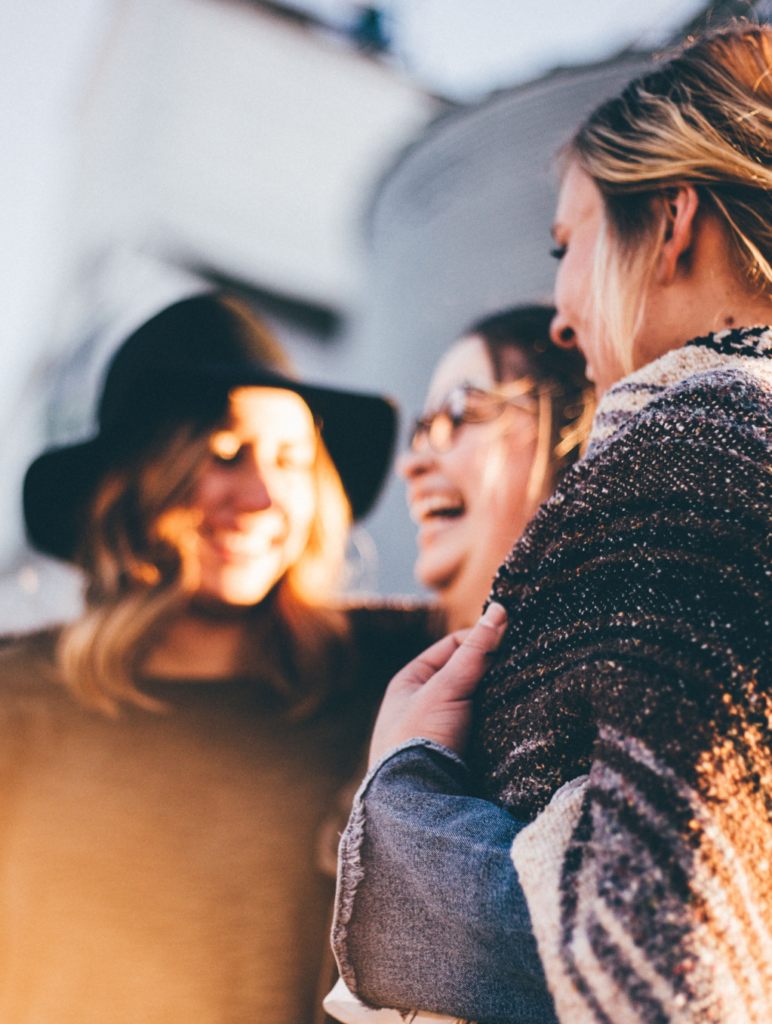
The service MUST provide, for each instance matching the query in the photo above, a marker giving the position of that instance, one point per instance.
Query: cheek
(559, 290)
(487, 466)
(504, 463)
(297, 497)
(504, 499)
(208, 494)
(466, 463)
(572, 284)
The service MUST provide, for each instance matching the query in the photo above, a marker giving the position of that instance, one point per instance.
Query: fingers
(422, 668)
(467, 665)
(430, 696)
(484, 637)
(487, 632)
(440, 652)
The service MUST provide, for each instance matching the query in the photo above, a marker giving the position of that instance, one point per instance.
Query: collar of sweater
(746, 348)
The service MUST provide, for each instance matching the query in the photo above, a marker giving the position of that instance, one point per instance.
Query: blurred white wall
(147, 140)
(209, 134)
(220, 134)
(47, 53)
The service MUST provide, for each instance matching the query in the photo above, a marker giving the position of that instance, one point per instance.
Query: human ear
(679, 208)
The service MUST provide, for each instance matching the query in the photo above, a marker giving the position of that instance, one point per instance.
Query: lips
(429, 507)
(241, 547)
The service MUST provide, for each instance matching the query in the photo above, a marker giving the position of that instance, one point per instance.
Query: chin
(242, 599)
(435, 574)
(236, 591)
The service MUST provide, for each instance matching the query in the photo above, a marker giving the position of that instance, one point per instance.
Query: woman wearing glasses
(623, 733)
(507, 412)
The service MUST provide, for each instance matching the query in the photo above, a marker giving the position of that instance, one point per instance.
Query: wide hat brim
(358, 430)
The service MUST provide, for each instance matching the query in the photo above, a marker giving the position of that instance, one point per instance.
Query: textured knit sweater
(638, 653)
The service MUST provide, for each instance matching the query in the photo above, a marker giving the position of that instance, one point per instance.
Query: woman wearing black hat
(172, 756)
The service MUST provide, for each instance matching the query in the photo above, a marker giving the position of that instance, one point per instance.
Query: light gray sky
(47, 49)
(464, 48)
(457, 48)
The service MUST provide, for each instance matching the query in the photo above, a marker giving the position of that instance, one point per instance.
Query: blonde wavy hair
(704, 118)
(137, 579)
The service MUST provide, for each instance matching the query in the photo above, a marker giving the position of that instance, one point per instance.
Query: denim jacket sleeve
(429, 913)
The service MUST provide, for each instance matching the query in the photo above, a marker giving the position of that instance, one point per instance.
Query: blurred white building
(237, 142)
(217, 141)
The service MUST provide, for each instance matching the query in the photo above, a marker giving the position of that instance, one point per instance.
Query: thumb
(487, 632)
(463, 671)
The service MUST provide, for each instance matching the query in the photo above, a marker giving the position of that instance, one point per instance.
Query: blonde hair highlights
(704, 117)
(135, 575)
(562, 433)
(133, 554)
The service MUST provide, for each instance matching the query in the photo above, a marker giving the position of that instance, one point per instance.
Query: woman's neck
(704, 295)
(462, 604)
(200, 643)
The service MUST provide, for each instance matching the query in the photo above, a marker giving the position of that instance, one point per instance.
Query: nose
(251, 492)
(561, 332)
(412, 464)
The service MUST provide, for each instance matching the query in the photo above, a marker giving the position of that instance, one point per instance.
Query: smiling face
(469, 501)
(254, 500)
(577, 225)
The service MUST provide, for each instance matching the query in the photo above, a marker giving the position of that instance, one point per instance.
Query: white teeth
(242, 545)
(435, 504)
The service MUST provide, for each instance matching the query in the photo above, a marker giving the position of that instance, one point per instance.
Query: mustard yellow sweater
(163, 867)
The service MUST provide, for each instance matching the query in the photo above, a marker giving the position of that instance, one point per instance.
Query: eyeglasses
(469, 404)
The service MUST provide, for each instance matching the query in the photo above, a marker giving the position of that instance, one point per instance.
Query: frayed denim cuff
(459, 768)
(350, 868)
(430, 914)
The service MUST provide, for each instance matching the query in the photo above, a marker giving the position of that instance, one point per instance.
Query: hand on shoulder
(432, 696)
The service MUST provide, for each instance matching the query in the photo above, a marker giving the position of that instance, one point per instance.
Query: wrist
(414, 743)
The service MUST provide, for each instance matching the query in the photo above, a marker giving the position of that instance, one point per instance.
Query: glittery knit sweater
(638, 654)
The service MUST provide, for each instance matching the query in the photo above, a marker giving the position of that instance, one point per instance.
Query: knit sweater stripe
(637, 651)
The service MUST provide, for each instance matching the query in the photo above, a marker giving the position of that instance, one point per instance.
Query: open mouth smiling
(242, 547)
(437, 506)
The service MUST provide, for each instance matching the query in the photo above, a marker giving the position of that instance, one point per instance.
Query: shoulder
(682, 449)
(718, 404)
(28, 658)
(675, 427)
(704, 439)
(33, 699)
(31, 687)
(693, 386)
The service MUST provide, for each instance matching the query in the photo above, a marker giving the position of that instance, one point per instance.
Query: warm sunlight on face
(255, 498)
(577, 223)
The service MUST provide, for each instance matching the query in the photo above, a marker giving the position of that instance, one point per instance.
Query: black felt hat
(178, 366)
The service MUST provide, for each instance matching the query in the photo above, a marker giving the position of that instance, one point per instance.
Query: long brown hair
(136, 579)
